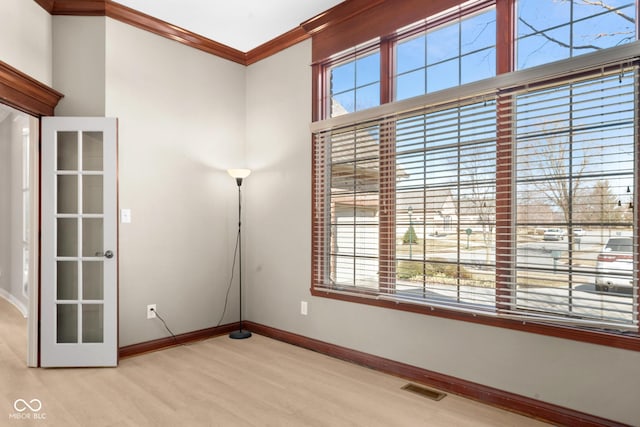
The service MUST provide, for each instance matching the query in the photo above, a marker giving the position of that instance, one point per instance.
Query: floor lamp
(239, 175)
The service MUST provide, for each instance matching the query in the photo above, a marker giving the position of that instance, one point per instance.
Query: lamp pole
(239, 175)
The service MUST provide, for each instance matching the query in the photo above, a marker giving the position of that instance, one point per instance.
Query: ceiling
(240, 24)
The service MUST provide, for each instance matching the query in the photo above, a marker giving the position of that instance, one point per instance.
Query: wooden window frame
(370, 48)
(368, 25)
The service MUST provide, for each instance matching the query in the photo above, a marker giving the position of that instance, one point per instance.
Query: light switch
(125, 216)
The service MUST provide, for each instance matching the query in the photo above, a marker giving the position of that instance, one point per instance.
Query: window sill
(622, 340)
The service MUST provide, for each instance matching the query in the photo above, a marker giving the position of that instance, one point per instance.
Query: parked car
(553, 234)
(614, 267)
(578, 232)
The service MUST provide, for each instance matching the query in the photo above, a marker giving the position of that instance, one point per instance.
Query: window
(575, 165)
(412, 202)
(355, 83)
(508, 201)
(551, 30)
(445, 204)
(447, 55)
(354, 206)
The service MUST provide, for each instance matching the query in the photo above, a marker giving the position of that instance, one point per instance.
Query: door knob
(108, 254)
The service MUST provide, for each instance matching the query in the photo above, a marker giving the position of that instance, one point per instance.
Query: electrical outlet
(151, 311)
(303, 308)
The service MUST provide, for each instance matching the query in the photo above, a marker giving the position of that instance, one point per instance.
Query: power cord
(233, 269)
(164, 323)
(226, 298)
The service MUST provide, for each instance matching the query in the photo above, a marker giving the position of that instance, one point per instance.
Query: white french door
(79, 237)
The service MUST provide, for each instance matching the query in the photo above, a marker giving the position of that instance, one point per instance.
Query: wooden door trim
(25, 93)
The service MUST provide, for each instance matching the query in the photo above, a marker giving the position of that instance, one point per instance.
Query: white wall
(79, 64)
(25, 38)
(181, 125)
(585, 377)
(278, 199)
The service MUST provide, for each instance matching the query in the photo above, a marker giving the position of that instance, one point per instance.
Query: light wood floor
(223, 382)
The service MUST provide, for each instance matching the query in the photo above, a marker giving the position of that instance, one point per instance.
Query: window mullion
(386, 70)
(387, 177)
(458, 201)
(572, 192)
(320, 233)
(505, 36)
(387, 216)
(505, 221)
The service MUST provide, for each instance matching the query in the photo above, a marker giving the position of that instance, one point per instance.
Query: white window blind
(354, 207)
(575, 145)
(445, 204)
(504, 202)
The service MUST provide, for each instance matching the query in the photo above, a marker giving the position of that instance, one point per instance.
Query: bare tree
(628, 32)
(555, 172)
(608, 7)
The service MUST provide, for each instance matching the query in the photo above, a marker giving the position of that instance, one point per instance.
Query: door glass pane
(67, 151)
(92, 237)
(92, 194)
(67, 279)
(67, 237)
(67, 194)
(92, 321)
(67, 323)
(92, 280)
(92, 151)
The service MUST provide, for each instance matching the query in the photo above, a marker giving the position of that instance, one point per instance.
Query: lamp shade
(239, 173)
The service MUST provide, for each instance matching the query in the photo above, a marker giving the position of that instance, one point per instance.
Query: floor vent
(424, 392)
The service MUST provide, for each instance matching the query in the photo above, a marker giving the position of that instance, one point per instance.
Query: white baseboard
(16, 302)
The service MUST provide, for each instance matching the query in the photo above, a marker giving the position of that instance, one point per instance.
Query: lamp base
(239, 335)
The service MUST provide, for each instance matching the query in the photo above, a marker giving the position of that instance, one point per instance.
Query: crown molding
(111, 9)
(46, 4)
(79, 7)
(337, 14)
(276, 45)
(24, 93)
(145, 22)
